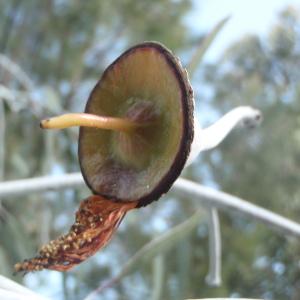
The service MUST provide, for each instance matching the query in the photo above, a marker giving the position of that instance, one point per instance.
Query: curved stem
(17, 72)
(214, 276)
(89, 120)
(213, 135)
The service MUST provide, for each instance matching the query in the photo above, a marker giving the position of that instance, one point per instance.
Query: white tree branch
(207, 196)
(16, 71)
(215, 248)
(2, 139)
(210, 197)
(40, 184)
(10, 290)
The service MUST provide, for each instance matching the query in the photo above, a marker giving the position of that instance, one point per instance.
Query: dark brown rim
(188, 123)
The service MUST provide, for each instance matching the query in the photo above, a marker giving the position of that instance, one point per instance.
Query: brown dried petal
(96, 221)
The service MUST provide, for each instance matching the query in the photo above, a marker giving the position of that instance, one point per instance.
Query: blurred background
(63, 46)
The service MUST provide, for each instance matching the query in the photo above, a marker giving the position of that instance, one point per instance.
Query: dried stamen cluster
(96, 221)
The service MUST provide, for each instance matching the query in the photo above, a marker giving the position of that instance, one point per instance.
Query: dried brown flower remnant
(96, 221)
(135, 137)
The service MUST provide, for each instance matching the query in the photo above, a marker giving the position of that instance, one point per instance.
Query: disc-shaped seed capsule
(148, 86)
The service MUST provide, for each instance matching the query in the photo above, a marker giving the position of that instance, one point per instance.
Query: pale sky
(254, 16)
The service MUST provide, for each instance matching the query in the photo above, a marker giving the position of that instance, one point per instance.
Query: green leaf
(203, 47)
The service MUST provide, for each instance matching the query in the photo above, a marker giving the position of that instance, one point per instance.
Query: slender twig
(158, 277)
(210, 197)
(13, 98)
(6, 94)
(206, 196)
(214, 275)
(2, 139)
(157, 245)
(17, 72)
(40, 184)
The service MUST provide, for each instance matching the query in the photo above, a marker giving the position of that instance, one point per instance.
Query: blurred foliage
(64, 46)
(262, 165)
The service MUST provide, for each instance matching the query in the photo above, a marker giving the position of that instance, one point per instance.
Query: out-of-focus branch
(203, 46)
(14, 291)
(186, 188)
(215, 248)
(156, 246)
(158, 277)
(40, 184)
(2, 139)
(15, 70)
(210, 197)
(6, 94)
(223, 299)
(15, 99)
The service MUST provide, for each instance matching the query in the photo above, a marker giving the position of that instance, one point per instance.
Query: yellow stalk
(89, 120)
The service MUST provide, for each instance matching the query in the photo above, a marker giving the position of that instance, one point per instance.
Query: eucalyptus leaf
(203, 47)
